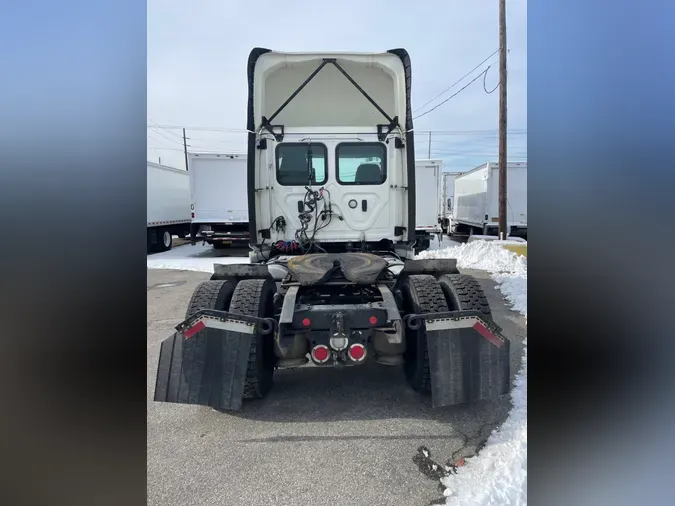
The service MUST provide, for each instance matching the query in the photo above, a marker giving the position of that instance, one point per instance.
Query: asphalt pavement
(321, 437)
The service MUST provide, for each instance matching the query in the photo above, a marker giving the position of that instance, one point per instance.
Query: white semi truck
(476, 201)
(168, 206)
(219, 199)
(333, 277)
(428, 202)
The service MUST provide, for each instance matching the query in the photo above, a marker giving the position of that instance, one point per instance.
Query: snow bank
(509, 239)
(191, 258)
(498, 475)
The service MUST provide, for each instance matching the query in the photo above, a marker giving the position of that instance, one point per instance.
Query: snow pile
(508, 269)
(509, 240)
(192, 258)
(498, 476)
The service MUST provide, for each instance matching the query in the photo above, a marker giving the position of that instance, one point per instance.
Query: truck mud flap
(204, 362)
(468, 357)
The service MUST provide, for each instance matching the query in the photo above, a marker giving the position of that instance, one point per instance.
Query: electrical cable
(484, 87)
(453, 95)
(457, 82)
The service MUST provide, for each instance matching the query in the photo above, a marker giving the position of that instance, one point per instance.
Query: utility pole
(429, 157)
(503, 225)
(185, 149)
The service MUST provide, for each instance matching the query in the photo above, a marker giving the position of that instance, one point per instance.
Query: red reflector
(194, 329)
(373, 320)
(320, 353)
(306, 322)
(357, 352)
(193, 215)
(483, 331)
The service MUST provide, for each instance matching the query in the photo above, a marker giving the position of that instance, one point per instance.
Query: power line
(514, 131)
(454, 94)
(485, 87)
(457, 82)
(165, 149)
(477, 131)
(158, 141)
(199, 152)
(217, 141)
(158, 126)
(168, 139)
(204, 129)
(463, 153)
(455, 144)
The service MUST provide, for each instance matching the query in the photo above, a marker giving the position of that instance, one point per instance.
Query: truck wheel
(469, 355)
(201, 351)
(421, 294)
(210, 295)
(165, 239)
(464, 293)
(254, 297)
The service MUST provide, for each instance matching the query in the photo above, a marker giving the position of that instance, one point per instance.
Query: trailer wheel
(254, 297)
(165, 239)
(421, 294)
(464, 293)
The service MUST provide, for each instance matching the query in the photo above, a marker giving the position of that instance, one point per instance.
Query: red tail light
(320, 353)
(357, 352)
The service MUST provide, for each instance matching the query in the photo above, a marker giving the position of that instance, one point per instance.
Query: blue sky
(197, 54)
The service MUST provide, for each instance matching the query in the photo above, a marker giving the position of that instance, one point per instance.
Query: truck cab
(330, 175)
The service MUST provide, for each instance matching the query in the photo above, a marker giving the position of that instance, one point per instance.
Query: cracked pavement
(331, 436)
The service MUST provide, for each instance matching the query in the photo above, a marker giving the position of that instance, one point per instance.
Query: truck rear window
(293, 168)
(361, 163)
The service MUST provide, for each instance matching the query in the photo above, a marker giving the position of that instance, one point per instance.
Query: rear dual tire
(254, 297)
(421, 294)
(425, 294)
(250, 297)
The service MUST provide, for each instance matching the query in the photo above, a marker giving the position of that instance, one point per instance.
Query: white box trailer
(219, 199)
(427, 201)
(447, 198)
(476, 200)
(168, 205)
